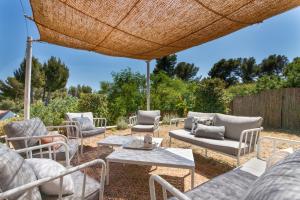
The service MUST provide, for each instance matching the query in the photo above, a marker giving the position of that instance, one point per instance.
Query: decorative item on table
(148, 140)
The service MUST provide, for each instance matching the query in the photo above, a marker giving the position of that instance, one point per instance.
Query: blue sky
(277, 35)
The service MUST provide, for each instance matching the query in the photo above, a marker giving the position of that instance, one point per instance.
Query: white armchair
(145, 122)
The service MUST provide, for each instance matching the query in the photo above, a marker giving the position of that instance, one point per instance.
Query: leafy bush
(95, 103)
(241, 90)
(7, 104)
(269, 82)
(211, 96)
(292, 73)
(54, 112)
(121, 123)
(171, 95)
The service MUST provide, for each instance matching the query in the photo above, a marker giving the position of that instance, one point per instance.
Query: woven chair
(21, 181)
(145, 122)
(99, 126)
(32, 132)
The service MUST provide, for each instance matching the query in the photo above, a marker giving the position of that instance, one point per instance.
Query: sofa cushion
(91, 188)
(188, 123)
(201, 115)
(227, 146)
(280, 182)
(147, 117)
(15, 172)
(25, 128)
(85, 123)
(229, 186)
(142, 128)
(213, 132)
(234, 125)
(93, 132)
(70, 116)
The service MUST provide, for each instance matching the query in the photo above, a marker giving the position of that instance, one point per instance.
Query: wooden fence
(280, 108)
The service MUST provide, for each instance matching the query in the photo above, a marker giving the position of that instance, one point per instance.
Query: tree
(166, 64)
(77, 91)
(56, 75)
(273, 65)
(292, 73)
(186, 71)
(13, 87)
(105, 87)
(226, 70)
(248, 70)
(211, 96)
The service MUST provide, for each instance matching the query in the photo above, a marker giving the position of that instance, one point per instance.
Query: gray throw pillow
(188, 123)
(212, 132)
(85, 123)
(25, 128)
(15, 172)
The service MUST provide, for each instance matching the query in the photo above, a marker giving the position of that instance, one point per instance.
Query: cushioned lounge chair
(252, 180)
(241, 134)
(145, 122)
(21, 183)
(28, 133)
(98, 129)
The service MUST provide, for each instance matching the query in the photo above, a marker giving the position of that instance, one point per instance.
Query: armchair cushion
(70, 116)
(234, 125)
(85, 123)
(92, 132)
(46, 167)
(25, 128)
(213, 132)
(14, 172)
(147, 117)
(91, 188)
(142, 128)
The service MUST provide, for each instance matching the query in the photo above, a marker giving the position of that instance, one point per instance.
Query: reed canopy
(146, 29)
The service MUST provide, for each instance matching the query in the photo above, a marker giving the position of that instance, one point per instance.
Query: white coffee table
(165, 157)
(119, 140)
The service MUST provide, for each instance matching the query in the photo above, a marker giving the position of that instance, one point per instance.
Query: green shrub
(95, 103)
(292, 73)
(14, 106)
(241, 90)
(269, 82)
(54, 112)
(211, 96)
(122, 123)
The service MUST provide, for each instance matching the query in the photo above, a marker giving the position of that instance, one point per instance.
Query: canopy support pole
(148, 84)
(28, 78)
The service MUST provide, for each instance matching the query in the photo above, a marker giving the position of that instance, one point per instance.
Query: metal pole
(148, 84)
(28, 78)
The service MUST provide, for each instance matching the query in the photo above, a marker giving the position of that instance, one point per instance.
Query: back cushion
(188, 123)
(201, 115)
(147, 117)
(14, 172)
(25, 128)
(89, 115)
(234, 125)
(280, 182)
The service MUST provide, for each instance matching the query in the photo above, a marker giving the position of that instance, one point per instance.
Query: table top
(119, 140)
(169, 157)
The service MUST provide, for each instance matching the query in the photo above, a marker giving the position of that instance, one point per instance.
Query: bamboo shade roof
(146, 29)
